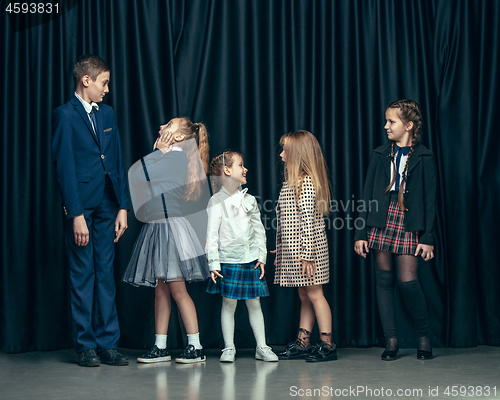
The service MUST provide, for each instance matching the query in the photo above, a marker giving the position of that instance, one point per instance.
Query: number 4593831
(32, 8)
(470, 391)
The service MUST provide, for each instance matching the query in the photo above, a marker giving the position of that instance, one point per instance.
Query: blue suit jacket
(81, 158)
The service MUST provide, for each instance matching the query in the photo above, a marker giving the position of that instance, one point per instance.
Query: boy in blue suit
(93, 185)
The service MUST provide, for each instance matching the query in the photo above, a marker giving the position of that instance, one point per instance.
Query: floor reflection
(194, 373)
(232, 380)
(57, 376)
(221, 380)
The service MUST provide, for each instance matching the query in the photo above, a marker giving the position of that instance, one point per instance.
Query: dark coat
(419, 196)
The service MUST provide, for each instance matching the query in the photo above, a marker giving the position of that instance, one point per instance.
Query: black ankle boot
(424, 355)
(390, 355)
(424, 343)
(391, 350)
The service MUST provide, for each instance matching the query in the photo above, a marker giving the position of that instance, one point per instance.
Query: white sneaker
(228, 355)
(265, 353)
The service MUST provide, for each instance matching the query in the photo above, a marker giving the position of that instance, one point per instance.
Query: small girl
(301, 245)
(236, 249)
(167, 252)
(401, 179)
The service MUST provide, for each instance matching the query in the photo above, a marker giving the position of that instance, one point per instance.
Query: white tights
(254, 315)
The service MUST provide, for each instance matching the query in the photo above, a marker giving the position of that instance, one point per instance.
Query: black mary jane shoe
(294, 352)
(424, 355)
(322, 352)
(390, 355)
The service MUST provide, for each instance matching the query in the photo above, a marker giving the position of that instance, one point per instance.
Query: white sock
(256, 321)
(194, 339)
(227, 321)
(161, 341)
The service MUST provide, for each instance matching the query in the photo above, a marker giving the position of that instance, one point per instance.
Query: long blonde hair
(197, 131)
(305, 158)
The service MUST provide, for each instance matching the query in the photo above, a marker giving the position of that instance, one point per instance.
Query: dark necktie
(94, 120)
(400, 151)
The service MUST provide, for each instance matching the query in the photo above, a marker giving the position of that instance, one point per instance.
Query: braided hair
(216, 168)
(409, 111)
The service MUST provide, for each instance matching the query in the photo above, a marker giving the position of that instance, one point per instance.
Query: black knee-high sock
(415, 301)
(385, 299)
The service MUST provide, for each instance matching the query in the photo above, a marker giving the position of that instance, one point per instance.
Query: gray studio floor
(358, 373)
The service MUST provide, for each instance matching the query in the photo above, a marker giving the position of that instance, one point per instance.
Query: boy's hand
(361, 247)
(262, 268)
(80, 230)
(214, 275)
(120, 224)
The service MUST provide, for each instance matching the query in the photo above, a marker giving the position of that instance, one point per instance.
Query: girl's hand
(273, 252)
(262, 267)
(308, 268)
(165, 140)
(361, 247)
(214, 275)
(427, 251)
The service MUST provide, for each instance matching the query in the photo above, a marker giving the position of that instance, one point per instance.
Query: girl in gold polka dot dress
(301, 245)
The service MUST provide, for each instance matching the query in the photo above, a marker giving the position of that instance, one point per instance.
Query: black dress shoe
(88, 358)
(322, 352)
(294, 352)
(424, 355)
(390, 355)
(112, 357)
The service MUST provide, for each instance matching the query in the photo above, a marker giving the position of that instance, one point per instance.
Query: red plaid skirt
(393, 237)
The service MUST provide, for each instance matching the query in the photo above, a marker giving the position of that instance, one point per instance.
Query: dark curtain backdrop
(253, 70)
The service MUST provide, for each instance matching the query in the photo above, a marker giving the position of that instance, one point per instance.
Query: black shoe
(190, 355)
(88, 358)
(322, 352)
(390, 355)
(424, 355)
(112, 357)
(294, 352)
(154, 355)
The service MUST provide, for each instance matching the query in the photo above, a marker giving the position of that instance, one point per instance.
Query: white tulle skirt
(166, 249)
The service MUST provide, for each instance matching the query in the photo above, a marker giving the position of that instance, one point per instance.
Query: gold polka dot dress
(300, 235)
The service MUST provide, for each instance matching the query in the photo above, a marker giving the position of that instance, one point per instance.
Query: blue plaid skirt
(240, 282)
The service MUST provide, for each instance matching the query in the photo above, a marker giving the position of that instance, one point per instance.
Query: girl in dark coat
(401, 181)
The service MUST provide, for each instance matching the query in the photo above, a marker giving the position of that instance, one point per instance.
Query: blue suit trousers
(95, 320)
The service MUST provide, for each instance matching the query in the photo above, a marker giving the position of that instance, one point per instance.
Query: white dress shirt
(402, 164)
(88, 107)
(235, 234)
